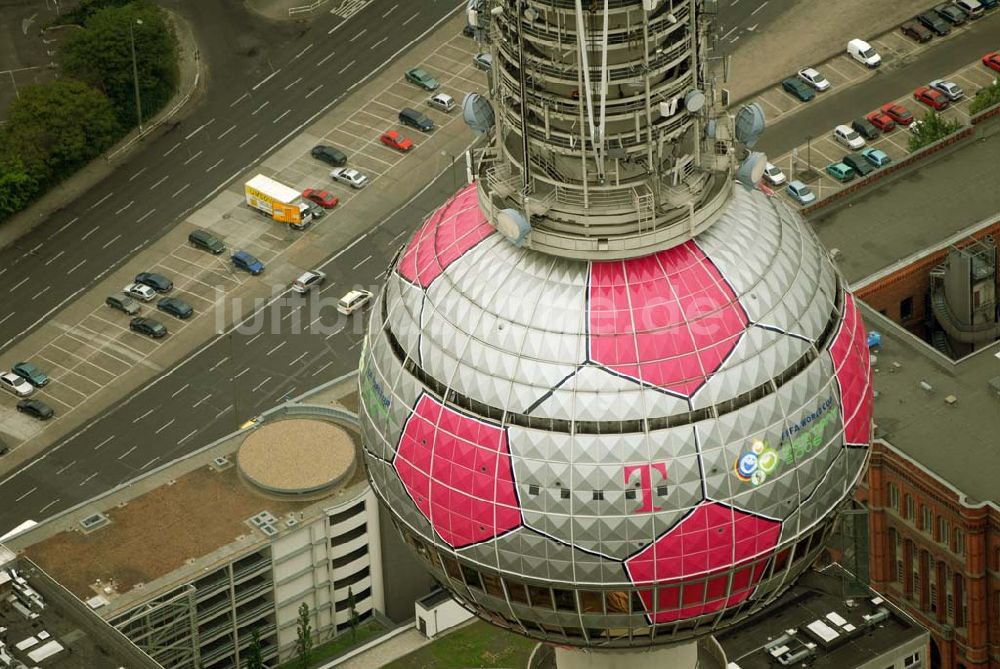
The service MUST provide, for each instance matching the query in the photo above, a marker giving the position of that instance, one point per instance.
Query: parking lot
(824, 150)
(99, 347)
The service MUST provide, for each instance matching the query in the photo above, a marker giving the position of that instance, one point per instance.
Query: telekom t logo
(646, 483)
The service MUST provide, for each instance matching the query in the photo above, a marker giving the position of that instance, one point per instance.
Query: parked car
(157, 282)
(951, 90)
(394, 140)
(865, 128)
(140, 291)
(31, 373)
(175, 307)
(916, 32)
(950, 13)
(415, 119)
(329, 155)
(858, 163)
(800, 192)
(352, 178)
(15, 385)
(4, 448)
(973, 9)
(353, 301)
(876, 157)
(881, 120)
(468, 31)
(123, 303)
(992, 60)
(862, 51)
(847, 136)
(773, 175)
(897, 113)
(203, 239)
(442, 102)
(798, 88)
(308, 281)
(36, 409)
(422, 78)
(812, 77)
(483, 61)
(323, 198)
(840, 172)
(147, 326)
(931, 97)
(933, 22)
(247, 262)
(989, 4)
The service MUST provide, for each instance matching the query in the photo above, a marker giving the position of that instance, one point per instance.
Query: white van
(972, 8)
(862, 51)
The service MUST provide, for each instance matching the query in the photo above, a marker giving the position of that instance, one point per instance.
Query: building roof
(168, 527)
(923, 422)
(836, 626)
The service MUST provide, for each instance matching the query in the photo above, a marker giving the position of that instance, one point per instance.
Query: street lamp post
(135, 72)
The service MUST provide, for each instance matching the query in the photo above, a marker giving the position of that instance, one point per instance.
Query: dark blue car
(248, 263)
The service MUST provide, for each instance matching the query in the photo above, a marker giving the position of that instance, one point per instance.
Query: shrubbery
(931, 128)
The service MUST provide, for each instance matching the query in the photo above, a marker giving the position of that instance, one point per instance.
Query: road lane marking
(241, 373)
(255, 338)
(322, 368)
(378, 43)
(99, 202)
(132, 178)
(180, 190)
(180, 390)
(136, 420)
(149, 463)
(239, 99)
(345, 68)
(261, 384)
(98, 447)
(293, 83)
(18, 284)
(311, 92)
(265, 80)
(76, 267)
(762, 6)
(159, 182)
(326, 58)
(10, 315)
(216, 164)
(199, 129)
(26, 494)
(47, 506)
(64, 468)
(192, 158)
(219, 415)
(64, 227)
(165, 426)
(250, 138)
(126, 453)
(390, 10)
(125, 207)
(285, 341)
(189, 435)
(112, 241)
(201, 401)
(40, 293)
(171, 149)
(212, 368)
(87, 480)
(145, 216)
(298, 359)
(231, 128)
(301, 53)
(411, 18)
(358, 34)
(266, 103)
(367, 258)
(283, 115)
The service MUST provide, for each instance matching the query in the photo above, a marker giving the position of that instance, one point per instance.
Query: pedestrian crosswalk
(349, 8)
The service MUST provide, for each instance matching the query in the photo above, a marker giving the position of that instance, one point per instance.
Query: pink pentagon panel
(457, 471)
(667, 319)
(451, 231)
(691, 564)
(852, 366)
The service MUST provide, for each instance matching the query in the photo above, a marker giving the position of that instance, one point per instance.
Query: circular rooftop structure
(616, 453)
(298, 457)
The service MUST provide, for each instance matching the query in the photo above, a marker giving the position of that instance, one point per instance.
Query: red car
(992, 60)
(394, 140)
(323, 198)
(897, 113)
(931, 97)
(881, 120)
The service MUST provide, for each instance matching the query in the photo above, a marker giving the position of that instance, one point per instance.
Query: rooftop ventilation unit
(94, 521)
(221, 462)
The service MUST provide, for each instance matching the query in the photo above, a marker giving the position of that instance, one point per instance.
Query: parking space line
(109, 338)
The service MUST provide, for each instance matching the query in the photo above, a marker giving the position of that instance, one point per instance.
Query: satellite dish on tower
(750, 124)
(478, 113)
(694, 101)
(751, 170)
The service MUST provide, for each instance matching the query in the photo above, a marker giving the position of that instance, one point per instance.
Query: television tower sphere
(630, 422)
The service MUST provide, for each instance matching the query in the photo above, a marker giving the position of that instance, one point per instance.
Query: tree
(101, 55)
(304, 642)
(986, 97)
(254, 658)
(17, 186)
(55, 128)
(932, 128)
(352, 608)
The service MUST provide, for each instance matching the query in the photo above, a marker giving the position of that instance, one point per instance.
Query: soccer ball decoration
(616, 453)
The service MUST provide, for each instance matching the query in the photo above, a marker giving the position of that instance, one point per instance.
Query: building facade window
(911, 660)
(906, 308)
(894, 497)
(911, 509)
(927, 520)
(944, 532)
(959, 541)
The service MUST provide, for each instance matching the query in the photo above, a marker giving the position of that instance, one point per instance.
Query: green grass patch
(338, 645)
(477, 645)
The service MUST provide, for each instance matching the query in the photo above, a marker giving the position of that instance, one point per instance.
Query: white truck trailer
(278, 201)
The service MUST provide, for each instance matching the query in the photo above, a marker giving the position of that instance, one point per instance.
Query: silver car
(442, 102)
(812, 77)
(307, 281)
(13, 383)
(351, 177)
(949, 88)
(140, 291)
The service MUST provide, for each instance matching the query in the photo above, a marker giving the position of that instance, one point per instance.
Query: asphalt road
(737, 18)
(890, 82)
(266, 82)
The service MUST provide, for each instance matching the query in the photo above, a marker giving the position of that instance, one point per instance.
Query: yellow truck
(278, 201)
